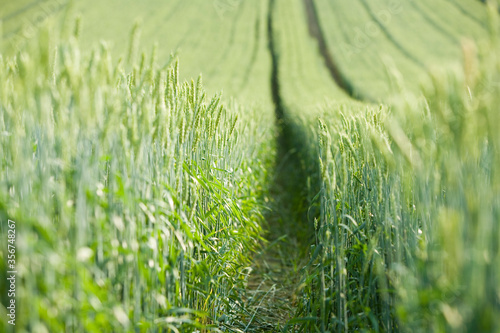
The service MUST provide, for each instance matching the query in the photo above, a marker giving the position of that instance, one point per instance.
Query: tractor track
(317, 33)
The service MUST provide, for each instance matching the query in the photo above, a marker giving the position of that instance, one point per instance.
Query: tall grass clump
(408, 237)
(136, 197)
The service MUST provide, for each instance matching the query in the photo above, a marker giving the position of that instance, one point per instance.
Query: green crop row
(137, 198)
(408, 236)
